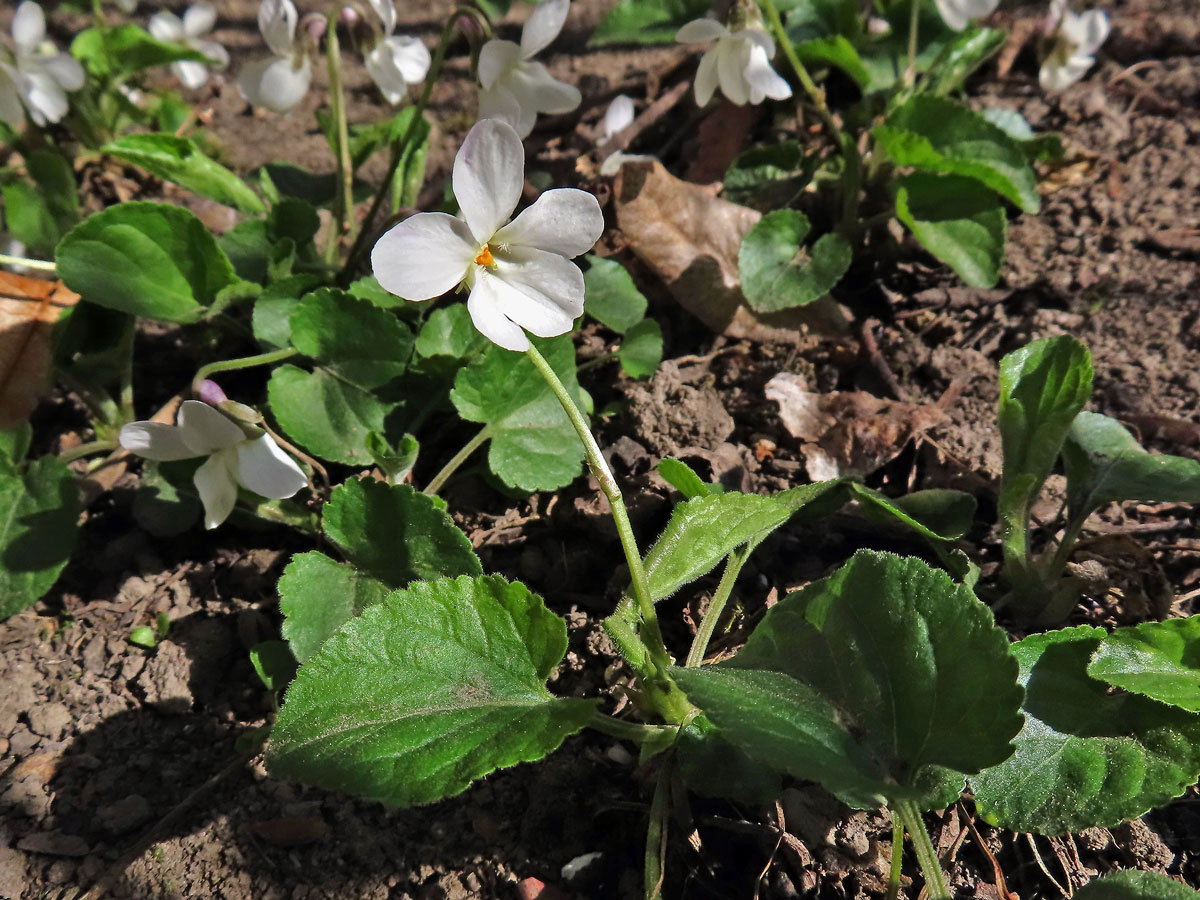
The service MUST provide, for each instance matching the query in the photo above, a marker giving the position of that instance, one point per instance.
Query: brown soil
(99, 740)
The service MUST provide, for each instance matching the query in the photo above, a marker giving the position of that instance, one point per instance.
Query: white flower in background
(127, 6)
(39, 76)
(518, 272)
(515, 88)
(619, 115)
(255, 463)
(190, 31)
(1073, 43)
(959, 13)
(279, 82)
(739, 63)
(397, 61)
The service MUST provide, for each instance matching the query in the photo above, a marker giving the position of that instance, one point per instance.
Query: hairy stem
(344, 205)
(69, 456)
(245, 362)
(708, 624)
(927, 859)
(457, 460)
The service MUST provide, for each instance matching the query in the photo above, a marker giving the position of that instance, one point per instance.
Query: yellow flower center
(485, 257)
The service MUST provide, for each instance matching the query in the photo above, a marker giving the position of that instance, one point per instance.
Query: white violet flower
(127, 6)
(255, 463)
(190, 31)
(397, 61)
(518, 273)
(1073, 44)
(739, 63)
(957, 14)
(619, 116)
(514, 87)
(38, 76)
(279, 82)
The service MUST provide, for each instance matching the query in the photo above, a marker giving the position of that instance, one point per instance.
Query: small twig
(620, 141)
(879, 365)
(997, 873)
(1041, 864)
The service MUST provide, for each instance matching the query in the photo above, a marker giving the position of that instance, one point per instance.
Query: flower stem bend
(246, 362)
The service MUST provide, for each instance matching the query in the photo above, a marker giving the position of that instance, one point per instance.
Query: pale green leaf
(179, 160)
(778, 272)
(317, 596)
(957, 220)
(1160, 660)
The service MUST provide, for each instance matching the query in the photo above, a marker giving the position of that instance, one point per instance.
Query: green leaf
(1037, 147)
(533, 444)
(641, 351)
(1106, 464)
(15, 443)
(317, 596)
(1132, 885)
(964, 54)
(1087, 755)
(646, 21)
(326, 414)
(869, 681)
(40, 504)
(148, 259)
(937, 514)
(125, 49)
(40, 213)
(272, 316)
(684, 479)
(372, 291)
(422, 694)
(354, 340)
(410, 171)
(179, 160)
(395, 462)
(143, 636)
(934, 134)
(713, 767)
(395, 534)
(835, 50)
(611, 296)
(705, 530)
(273, 663)
(768, 177)
(957, 220)
(449, 332)
(1160, 660)
(777, 272)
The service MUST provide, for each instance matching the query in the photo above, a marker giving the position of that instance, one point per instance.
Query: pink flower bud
(348, 16)
(314, 25)
(211, 393)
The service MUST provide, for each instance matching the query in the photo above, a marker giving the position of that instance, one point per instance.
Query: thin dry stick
(1041, 864)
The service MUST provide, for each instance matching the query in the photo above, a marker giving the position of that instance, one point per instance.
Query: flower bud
(211, 393)
(314, 26)
(349, 16)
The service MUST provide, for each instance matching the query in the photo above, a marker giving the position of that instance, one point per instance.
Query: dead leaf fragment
(29, 307)
(294, 831)
(847, 432)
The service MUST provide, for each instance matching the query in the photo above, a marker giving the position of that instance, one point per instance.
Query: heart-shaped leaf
(611, 296)
(1160, 660)
(423, 693)
(326, 414)
(869, 681)
(958, 221)
(1087, 755)
(641, 350)
(179, 160)
(768, 177)
(777, 272)
(351, 338)
(969, 49)
(317, 596)
(1132, 885)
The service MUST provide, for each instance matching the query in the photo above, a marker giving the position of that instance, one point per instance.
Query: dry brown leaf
(690, 238)
(29, 307)
(847, 432)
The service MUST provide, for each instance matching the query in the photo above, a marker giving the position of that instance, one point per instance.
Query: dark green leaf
(713, 767)
(957, 220)
(641, 350)
(682, 477)
(40, 212)
(354, 340)
(835, 50)
(611, 296)
(37, 530)
(768, 177)
(1160, 660)
(449, 332)
(395, 462)
(964, 54)
(778, 272)
(326, 414)
(1087, 755)
(179, 160)
(148, 259)
(273, 663)
(646, 21)
(937, 514)
(393, 533)
(440, 684)
(934, 134)
(15, 443)
(165, 503)
(1132, 885)
(271, 320)
(317, 596)
(369, 289)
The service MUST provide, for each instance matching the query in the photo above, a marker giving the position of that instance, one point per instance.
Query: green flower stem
(656, 836)
(41, 265)
(343, 212)
(927, 859)
(124, 349)
(69, 456)
(457, 460)
(708, 624)
(246, 362)
(914, 25)
(628, 731)
(893, 885)
(846, 143)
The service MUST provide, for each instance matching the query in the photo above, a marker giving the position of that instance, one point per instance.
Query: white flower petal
(386, 10)
(165, 26)
(424, 256)
(759, 37)
(486, 314)
(707, 78)
(199, 19)
(274, 83)
(205, 430)
(701, 31)
(489, 173)
(612, 165)
(496, 58)
(763, 80)
(191, 74)
(412, 57)
(1054, 78)
(540, 291)
(216, 486)
(277, 22)
(44, 97)
(63, 68)
(498, 102)
(566, 221)
(953, 14)
(733, 56)
(154, 440)
(264, 468)
(28, 27)
(214, 51)
(127, 6)
(1094, 28)
(12, 112)
(543, 26)
(535, 87)
(619, 116)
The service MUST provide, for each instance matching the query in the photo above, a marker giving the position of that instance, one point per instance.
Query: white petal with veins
(565, 221)
(264, 468)
(488, 175)
(543, 26)
(424, 256)
(154, 440)
(216, 486)
(205, 430)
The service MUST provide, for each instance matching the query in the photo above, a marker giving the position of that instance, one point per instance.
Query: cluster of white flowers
(36, 77)
(191, 31)
(396, 61)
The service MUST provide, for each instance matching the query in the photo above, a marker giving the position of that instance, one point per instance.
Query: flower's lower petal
(763, 80)
(485, 309)
(191, 74)
(165, 26)
(1054, 78)
(701, 31)
(543, 26)
(489, 172)
(498, 102)
(44, 97)
(264, 468)
(534, 86)
(496, 58)
(707, 78)
(566, 221)
(205, 430)
(733, 56)
(199, 19)
(411, 56)
(216, 486)
(154, 440)
(424, 256)
(274, 83)
(540, 291)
